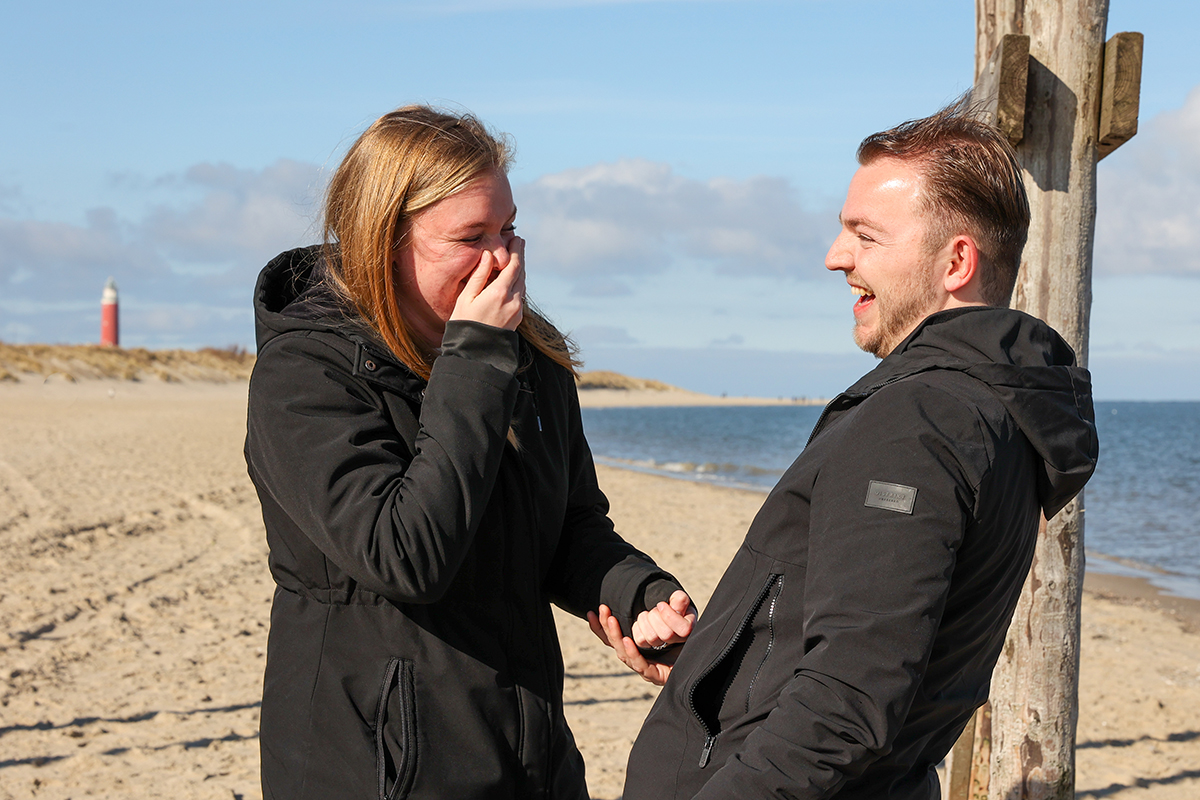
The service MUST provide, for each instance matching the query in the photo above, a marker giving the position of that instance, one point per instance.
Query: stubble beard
(901, 310)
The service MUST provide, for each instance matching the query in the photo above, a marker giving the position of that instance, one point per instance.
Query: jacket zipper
(770, 639)
(528, 385)
(870, 390)
(400, 673)
(710, 738)
(821, 419)
(527, 389)
(533, 396)
(531, 505)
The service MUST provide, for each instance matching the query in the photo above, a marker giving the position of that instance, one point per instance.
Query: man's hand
(608, 630)
(665, 624)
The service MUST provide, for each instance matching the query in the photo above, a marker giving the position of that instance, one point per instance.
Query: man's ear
(962, 277)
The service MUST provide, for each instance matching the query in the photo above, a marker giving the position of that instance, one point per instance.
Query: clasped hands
(664, 625)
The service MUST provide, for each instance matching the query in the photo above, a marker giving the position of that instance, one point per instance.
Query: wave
(743, 476)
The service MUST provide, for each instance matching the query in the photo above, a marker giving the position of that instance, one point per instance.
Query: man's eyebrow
(857, 222)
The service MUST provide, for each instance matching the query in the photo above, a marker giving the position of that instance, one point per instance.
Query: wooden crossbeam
(1001, 86)
(1120, 92)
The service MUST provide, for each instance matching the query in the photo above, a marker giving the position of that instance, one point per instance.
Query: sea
(1142, 507)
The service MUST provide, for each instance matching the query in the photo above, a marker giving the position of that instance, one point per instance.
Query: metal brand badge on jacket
(891, 497)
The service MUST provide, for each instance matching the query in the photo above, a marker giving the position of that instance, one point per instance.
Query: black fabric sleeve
(875, 590)
(321, 442)
(657, 590)
(593, 564)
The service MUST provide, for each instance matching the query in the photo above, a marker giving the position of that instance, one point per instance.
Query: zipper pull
(533, 395)
(707, 751)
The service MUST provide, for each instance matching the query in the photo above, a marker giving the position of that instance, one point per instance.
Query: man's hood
(1032, 371)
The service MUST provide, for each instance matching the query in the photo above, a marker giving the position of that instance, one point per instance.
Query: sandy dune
(135, 593)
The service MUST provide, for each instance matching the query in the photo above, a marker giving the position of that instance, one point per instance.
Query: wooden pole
(957, 785)
(968, 764)
(1035, 686)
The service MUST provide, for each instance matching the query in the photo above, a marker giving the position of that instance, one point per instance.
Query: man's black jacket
(855, 631)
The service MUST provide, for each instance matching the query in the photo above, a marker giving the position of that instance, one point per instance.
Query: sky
(680, 166)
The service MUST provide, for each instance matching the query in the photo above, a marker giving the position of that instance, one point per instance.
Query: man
(855, 631)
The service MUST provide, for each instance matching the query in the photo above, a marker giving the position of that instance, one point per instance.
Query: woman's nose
(498, 244)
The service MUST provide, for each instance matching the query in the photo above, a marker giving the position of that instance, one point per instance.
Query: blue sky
(680, 166)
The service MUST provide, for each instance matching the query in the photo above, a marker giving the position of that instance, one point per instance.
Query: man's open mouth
(864, 295)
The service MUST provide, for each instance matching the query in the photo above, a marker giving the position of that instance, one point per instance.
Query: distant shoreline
(642, 398)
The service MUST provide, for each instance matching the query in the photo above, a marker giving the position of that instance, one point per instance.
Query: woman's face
(443, 248)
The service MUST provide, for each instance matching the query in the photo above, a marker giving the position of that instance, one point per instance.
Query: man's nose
(839, 256)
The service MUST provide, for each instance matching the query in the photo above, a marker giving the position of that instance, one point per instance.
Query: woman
(414, 436)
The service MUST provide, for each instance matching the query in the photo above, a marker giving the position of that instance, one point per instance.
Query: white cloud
(242, 216)
(634, 216)
(603, 229)
(50, 258)
(600, 335)
(1148, 206)
(600, 286)
(203, 250)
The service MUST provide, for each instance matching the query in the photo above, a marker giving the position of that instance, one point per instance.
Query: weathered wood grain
(1121, 92)
(1001, 86)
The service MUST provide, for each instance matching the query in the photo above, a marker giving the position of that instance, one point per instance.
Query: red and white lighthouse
(109, 328)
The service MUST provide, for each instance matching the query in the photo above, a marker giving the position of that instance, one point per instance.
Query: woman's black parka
(412, 650)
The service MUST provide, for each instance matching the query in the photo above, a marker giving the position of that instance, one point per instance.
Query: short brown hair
(971, 183)
(406, 161)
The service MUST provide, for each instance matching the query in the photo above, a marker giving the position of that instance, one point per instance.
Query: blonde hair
(406, 161)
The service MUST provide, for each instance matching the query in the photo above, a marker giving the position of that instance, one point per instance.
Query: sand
(135, 595)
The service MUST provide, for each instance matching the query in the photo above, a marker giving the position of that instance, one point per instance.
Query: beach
(135, 596)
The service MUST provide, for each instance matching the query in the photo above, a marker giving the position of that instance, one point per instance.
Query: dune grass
(74, 362)
(19, 362)
(601, 379)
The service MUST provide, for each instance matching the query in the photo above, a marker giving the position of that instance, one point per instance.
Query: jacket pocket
(709, 694)
(396, 731)
(770, 601)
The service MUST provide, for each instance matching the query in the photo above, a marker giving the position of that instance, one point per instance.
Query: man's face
(881, 248)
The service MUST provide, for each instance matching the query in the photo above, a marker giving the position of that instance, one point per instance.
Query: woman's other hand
(495, 291)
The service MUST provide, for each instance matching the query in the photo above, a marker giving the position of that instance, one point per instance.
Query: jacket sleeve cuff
(656, 590)
(476, 341)
(624, 589)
